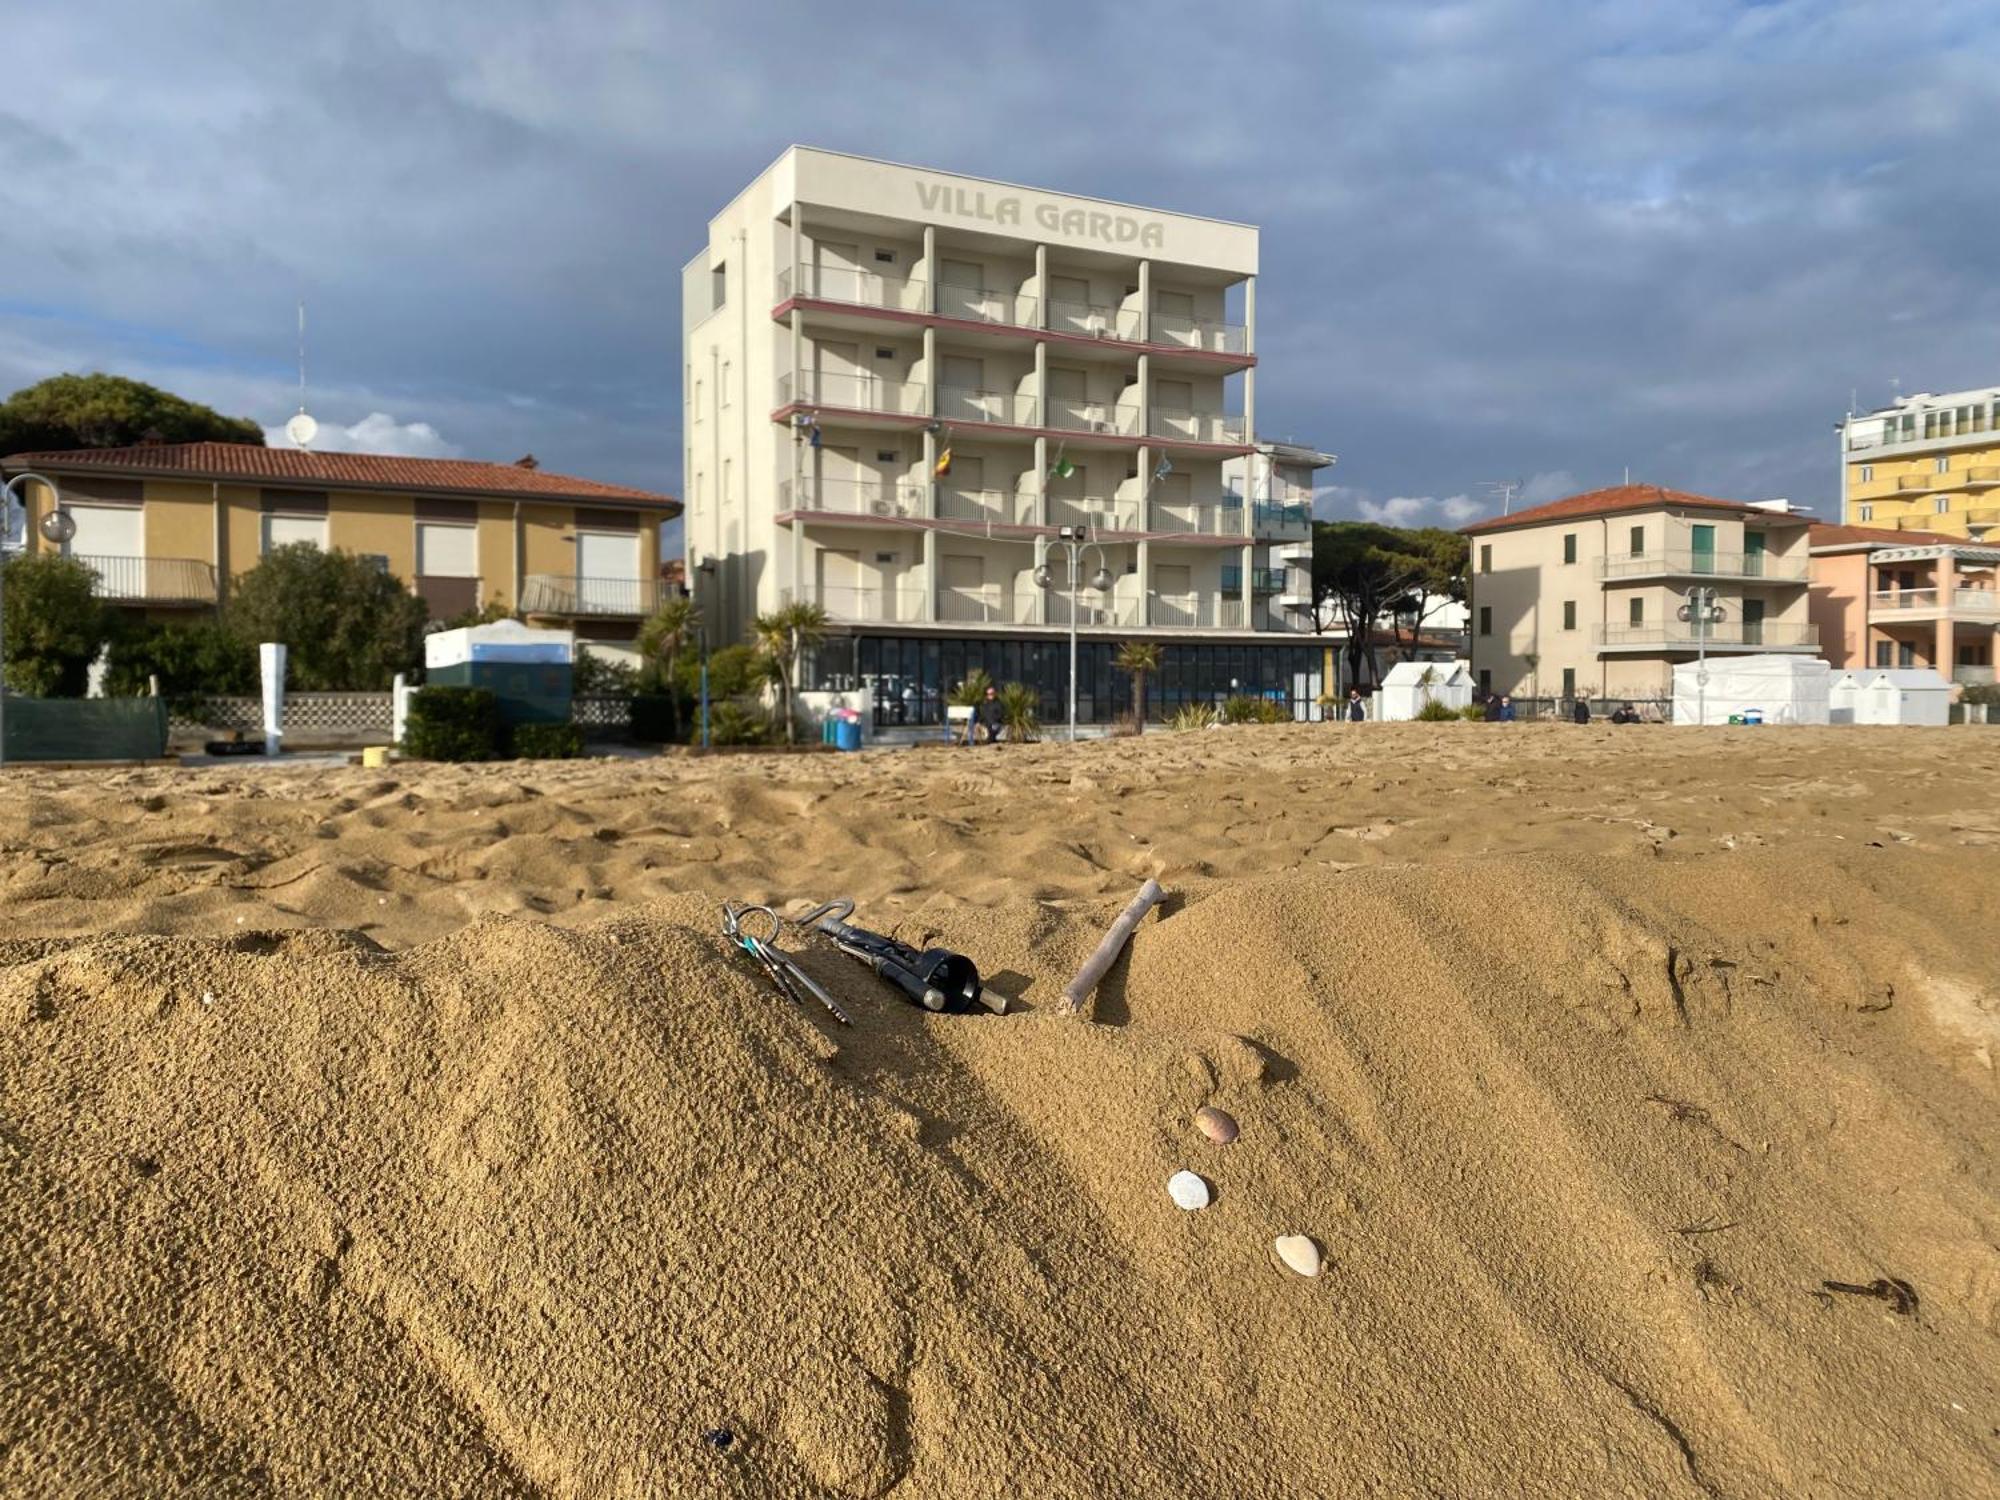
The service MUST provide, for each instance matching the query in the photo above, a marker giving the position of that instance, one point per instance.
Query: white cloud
(378, 432)
(1539, 489)
(1419, 510)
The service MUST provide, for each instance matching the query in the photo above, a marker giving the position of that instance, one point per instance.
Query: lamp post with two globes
(1071, 539)
(58, 526)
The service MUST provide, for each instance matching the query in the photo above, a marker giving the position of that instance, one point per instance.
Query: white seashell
(1299, 1252)
(208, 997)
(1188, 1190)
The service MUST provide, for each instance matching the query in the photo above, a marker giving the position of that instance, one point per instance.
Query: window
(1881, 653)
(881, 353)
(379, 561)
(887, 456)
(1941, 466)
(446, 550)
(1867, 473)
(1638, 540)
(718, 280)
(1906, 654)
(1569, 546)
(1569, 614)
(1486, 559)
(1485, 682)
(1486, 619)
(1867, 512)
(1941, 505)
(885, 257)
(1569, 682)
(1635, 612)
(283, 531)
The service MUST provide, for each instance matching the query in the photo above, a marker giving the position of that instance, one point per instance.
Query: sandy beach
(415, 1132)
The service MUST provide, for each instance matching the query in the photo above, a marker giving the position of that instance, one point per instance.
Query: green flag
(1062, 468)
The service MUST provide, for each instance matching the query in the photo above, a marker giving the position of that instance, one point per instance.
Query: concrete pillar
(930, 372)
(930, 268)
(1145, 561)
(1145, 396)
(1248, 553)
(1250, 347)
(1947, 581)
(1041, 286)
(1041, 417)
(928, 605)
(1145, 301)
(1039, 515)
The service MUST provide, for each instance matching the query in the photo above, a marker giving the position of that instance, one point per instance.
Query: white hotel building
(1085, 364)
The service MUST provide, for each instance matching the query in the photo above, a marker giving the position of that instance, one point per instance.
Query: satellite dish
(302, 429)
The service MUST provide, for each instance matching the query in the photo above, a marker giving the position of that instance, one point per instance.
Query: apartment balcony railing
(1888, 601)
(986, 305)
(1936, 425)
(999, 507)
(1196, 517)
(1980, 479)
(1281, 518)
(889, 604)
(1094, 416)
(1972, 676)
(1687, 564)
(570, 594)
(1912, 482)
(887, 498)
(1196, 611)
(1003, 408)
(1096, 514)
(1199, 333)
(1262, 580)
(857, 288)
(1196, 426)
(1095, 320)
(1091, 608)
(1976, 518)
(1976, 601)
(150, 580)
(854, 392)
(990, 604)
(1676, 636)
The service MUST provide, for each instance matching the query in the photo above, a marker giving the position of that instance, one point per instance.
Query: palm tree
(1141, 659)
(1018, 703)
(670, 630)
(785, 635)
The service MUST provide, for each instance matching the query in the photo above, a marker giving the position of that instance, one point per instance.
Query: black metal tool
(936, 978)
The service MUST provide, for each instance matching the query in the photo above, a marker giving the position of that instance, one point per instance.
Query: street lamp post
(1701, 611)
(57, 526)
(1071, 538)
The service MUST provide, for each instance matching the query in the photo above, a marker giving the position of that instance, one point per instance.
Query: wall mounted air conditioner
(886, 508)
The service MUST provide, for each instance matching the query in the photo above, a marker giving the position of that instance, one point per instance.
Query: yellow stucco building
(1926, 463)
(167, 526)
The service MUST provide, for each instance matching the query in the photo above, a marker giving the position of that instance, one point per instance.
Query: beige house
(167, 526)
(1584, 596)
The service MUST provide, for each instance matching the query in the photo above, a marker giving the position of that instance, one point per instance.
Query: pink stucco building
(1905, 599)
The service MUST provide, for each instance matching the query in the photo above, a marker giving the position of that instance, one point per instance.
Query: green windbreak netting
(85, 728)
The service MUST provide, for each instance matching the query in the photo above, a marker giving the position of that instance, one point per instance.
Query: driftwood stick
(1100, 962)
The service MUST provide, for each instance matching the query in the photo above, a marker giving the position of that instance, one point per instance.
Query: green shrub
(1241, 708)
(55, 625)
(1475, 712)
(1987, 693)
(548, 741)
(199, 659)
(595, 676)
(732, 672)
(1434, 712)
(736, 723)
(1193, 716)
(347, 626)
(1018, 704)
(453, 723)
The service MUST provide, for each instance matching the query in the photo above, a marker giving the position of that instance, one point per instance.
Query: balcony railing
(1980, 479)
(1091, 608)
(150, 580)
(1281, 518)
(1094, 416)
(1764, 565)
(569, 594)
(999, 507)
(1196, 426)
(887, 498)
(986, 305)
(1976, 601)
(1988, 517)
(1199, 333)
(1890, 600)
(857, 288)
(1095, 320)
(1095, 513)
(1262, 580)
(1199, 518)
(990, 604)
(1003, 408)
(1911, 482)
(1676, 636)
(891, 604)
(1196, 611)
(854, 392)
(1937, 426)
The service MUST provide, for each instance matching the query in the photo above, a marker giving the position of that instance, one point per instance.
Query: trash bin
(847, 733)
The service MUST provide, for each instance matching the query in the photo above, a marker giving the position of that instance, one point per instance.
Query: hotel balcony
(1196, 518)
(1981, 604)
(1099, 417)
(860, 393)
(1273, 519)
(955, 404)
(1095, 513)
(1206, 335)
(1197, 427)
(883, 499)
(566, 594)
(1262, 580)
(150, 580)
(1731, 635)
(1756, 566)
(855, 288)
(1001, 604)
(1196, 611)
(1095, 320)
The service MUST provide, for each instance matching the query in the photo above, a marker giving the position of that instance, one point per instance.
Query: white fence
(344, 718)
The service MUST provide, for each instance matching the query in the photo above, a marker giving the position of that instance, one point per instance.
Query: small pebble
(1188, 1190)
(1299, 1252)
(208, 997)
(1216, 1124)
(718, 1438)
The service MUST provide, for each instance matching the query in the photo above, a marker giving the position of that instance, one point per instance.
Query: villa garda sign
(1075, 223)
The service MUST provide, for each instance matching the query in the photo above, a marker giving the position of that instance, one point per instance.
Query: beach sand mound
(589, 1211)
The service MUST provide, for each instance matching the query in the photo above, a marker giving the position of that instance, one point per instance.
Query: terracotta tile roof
(1825, 534)
(245, 462)
(1620, 497)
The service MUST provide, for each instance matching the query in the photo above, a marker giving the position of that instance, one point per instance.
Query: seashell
(1188, 1190)
(1298, 1252)
(1218, 1125)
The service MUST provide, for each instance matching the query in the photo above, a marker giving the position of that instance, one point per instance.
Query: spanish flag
(943, 465)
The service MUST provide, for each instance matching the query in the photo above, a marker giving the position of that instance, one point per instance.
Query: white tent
(1411, 684)
(501, 641)
(1768, 689)
(1842, 695)
(1903, 695)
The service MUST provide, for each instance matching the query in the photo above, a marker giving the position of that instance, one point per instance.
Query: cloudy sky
(1536, 241)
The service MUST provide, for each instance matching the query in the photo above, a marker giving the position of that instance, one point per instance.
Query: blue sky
(1514, 240)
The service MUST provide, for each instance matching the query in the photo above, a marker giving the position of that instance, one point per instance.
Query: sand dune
(414, 1132)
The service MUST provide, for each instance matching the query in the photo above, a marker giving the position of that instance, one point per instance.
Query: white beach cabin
(1769, 689)
(1903, 695)
(1409, 685)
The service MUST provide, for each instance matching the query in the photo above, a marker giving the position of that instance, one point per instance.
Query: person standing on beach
(989, 715)
(1356, 709)
(1505, 713)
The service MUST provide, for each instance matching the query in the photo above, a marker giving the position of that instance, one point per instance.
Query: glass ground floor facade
(910, 678)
